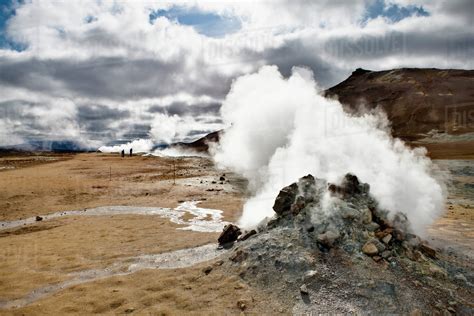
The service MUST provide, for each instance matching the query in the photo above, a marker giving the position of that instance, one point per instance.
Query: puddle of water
(169, 260)
(203, 219)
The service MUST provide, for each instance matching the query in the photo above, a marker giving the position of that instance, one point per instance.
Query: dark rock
(39, 218)
(221, 178)
(304, 289)
(350, 186)
(241, 305)
(285, 199)
(298, 205)
(229, 234)
(247, 235)
(398, 235)
(207, 270)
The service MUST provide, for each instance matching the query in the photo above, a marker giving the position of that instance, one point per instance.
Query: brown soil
(91, 180)
(46, 253)
(451, 150)
(158, 292)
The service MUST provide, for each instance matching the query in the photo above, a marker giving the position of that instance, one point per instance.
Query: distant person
(131, 150)
(123, 153)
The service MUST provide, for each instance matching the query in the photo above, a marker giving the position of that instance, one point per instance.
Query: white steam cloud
(138, 146)
(283, 129)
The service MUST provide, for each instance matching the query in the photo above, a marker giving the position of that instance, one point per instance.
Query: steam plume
(283, 129)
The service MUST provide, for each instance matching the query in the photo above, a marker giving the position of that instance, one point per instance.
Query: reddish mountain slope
(416, 101)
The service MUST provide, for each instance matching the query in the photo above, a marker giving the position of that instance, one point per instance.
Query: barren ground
(53, 251)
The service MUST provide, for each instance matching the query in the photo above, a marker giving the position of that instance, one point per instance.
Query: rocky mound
(330, 248)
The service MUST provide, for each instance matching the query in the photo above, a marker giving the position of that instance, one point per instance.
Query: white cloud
(108, 53)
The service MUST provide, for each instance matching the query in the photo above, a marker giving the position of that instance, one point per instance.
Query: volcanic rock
(285, 199)
(39, 218)
(230, 234)
(340, 239)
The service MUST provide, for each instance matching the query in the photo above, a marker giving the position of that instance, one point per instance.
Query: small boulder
(366, 216)
(39, 218)
(229, 234)
(221, 178)
(370, 249)
(387, 239)
(329, 238)
(285, 199)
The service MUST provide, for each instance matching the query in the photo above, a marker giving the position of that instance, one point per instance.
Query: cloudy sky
(99, 72)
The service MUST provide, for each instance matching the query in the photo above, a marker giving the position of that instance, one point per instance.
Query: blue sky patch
(206, 23)
(394, 13)
(7, 10)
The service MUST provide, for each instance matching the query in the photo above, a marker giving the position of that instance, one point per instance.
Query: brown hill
(417, 101)
(202, 144)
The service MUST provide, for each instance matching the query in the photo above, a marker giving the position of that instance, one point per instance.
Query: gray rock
(366, 216)
(460, 277)
(328, 238)
(387, 239)
(372, 226)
